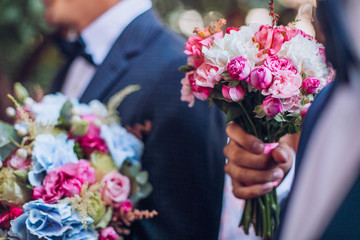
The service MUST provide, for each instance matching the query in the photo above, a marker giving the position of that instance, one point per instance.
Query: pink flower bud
(108, 234)
(305, 109)
(311, 85)
(261, 77)
(272, 106)
(234, 94)
(239, 68)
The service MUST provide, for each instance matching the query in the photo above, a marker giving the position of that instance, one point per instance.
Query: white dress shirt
(332, 158)
(99, 37)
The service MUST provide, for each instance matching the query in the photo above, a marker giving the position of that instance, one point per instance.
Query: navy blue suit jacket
(346, 222)
(183, 152)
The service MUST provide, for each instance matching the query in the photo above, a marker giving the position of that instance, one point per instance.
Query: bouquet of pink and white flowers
(69, 170)
(264, 78)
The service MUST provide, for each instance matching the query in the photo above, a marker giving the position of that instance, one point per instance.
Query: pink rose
(311, 85)
(17, 163)
(207, 75)
(116, 188)
(7, 216)
(239, 68)
(269, 39)
(127, 206)
(292, 104)
(65, 181)
(260, 77)
(272, 106)
(275, 64)
(285, 84)
(234, 94)
(108, 234)
(305, 109)
(91, 141)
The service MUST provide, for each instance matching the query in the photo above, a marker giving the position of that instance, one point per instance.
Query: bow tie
(74, 49)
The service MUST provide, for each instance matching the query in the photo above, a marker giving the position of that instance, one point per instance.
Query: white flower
(304, 54)
(235, 44)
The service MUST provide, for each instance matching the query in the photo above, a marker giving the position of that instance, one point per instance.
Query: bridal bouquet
(264, 78)
(69, 170)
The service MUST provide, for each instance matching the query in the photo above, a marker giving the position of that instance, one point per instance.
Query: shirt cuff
(284, 188)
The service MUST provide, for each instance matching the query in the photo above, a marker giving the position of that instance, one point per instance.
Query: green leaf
(65, 111)
(145, 190)
(134, 170)
(7, 132)
(232, 113)
(105, 220)
(299, 121)
(186, 68)
(78, 151)
(226, 76)
(234, 84)
(280, 118)
(142, 177)
(79, 129)
(20, 92)
(21, 174)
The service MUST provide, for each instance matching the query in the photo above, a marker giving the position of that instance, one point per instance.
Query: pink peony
(116, 188)
(275, 64)
(305, 109)
(7, 216)
(201, 93)
(269, 39)
(260, 77)
(272, 106)
(292, 104)
(285, 84)
(17, 163)
(91, 141)
(311, 85)
(207, 75)
(186, 92)
(234, 94)
(65, 181)
(193, 46)
(239, 68)
(292, 32)
(195, 61)
(108, 234)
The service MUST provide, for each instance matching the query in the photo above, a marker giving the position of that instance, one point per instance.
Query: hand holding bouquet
(264, 78)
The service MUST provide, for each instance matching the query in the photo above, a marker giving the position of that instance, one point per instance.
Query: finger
(283, 156)
(251, 176)
(241, 157)
(248, 192)
(244, 139)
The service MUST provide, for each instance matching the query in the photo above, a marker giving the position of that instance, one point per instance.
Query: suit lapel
(137, 36)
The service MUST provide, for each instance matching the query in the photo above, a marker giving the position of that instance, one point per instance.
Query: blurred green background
(27, 54)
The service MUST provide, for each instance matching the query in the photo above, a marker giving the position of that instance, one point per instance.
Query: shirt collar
(101, 34)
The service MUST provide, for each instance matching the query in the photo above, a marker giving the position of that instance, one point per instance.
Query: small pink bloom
(207, 75)
(65, 181)
(17, 163)
(234, 94)
(7, 216)
(239, 68)
(311, 85)
(292, 32)
(269, 39)
(116, 188)
(260, 77)
(276, 64)
(127, 206)
(108, 234)
(186, 92)
(292, 104)
(91, 141)
(285, 84)
(193, 46)
(228, 30)
(272, 106)
(305, 109)
(201, 93)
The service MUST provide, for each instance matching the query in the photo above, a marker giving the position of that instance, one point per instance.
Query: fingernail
(258, 147)
(278, 173)
(267, 186)
(283, 152)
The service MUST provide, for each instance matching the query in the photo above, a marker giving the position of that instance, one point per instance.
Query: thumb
(281, 154)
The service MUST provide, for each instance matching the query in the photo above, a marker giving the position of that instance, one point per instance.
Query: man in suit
(123, 43)
(324, 201)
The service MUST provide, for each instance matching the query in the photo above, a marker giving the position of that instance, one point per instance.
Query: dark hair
(338, 46)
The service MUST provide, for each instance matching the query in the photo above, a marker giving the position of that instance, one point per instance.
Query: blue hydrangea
(50, 221)
(50, 152)
(122, 145)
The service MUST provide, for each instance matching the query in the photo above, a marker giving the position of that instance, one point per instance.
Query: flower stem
(249, 119)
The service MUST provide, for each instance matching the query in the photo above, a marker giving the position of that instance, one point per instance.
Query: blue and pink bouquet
(69, 170)
(264, 78)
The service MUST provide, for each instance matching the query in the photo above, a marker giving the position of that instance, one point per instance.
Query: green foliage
(7, 132)
(186, 68)
(78, 151)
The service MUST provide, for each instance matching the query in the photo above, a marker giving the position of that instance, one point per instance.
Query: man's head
(75, 13)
